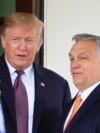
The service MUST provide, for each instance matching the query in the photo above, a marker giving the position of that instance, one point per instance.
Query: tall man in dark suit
(85, 69)
(47, 92)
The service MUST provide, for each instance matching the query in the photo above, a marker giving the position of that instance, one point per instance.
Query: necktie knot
(78, 100)
(19, 72)
(18, 81)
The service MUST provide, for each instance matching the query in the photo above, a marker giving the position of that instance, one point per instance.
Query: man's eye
(29, 41)
(71, 58)
(15, 39)
(83, 58)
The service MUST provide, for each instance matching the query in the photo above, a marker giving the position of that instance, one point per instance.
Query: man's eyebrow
(83, 53)
(70, 54)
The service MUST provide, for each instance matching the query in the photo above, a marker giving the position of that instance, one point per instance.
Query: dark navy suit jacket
(50, 99)
(87, 119)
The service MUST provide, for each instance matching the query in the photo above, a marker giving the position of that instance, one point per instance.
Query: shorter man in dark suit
(45, 91)
(85, 69)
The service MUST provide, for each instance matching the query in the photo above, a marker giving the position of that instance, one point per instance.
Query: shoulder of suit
(49, 72)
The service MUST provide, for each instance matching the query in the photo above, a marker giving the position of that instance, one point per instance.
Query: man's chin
(77, 83)
(20, 66)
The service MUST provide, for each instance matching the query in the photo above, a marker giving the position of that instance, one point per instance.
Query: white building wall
(63, 19)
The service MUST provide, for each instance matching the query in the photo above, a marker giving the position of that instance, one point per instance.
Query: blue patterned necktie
(21, 104)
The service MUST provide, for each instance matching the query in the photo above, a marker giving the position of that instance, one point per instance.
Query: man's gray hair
(85, 37)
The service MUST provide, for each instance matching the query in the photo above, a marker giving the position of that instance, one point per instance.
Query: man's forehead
(83, 45)
(79, 53)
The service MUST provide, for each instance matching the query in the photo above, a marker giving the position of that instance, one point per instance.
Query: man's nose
(22, 44)
(75, 64)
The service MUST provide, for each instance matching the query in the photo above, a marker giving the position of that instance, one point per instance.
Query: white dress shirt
(2, 125)
(84, 95)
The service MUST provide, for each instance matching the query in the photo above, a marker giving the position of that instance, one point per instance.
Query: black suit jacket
(51, 94)
(87, 119)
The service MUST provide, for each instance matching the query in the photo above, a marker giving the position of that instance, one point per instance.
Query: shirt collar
(87, 92)
(27, 71)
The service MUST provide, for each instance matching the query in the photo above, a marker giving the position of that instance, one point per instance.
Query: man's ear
(3, 41)
(40, 43)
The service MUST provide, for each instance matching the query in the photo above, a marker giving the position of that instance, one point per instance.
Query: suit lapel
(67, 109)
(7, 92)
(86, 105)
(38, 106)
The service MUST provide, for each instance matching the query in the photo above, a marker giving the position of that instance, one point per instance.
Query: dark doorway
(36, 7)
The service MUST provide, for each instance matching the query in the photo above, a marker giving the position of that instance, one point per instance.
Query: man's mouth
(76, 73)
(21, 55)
